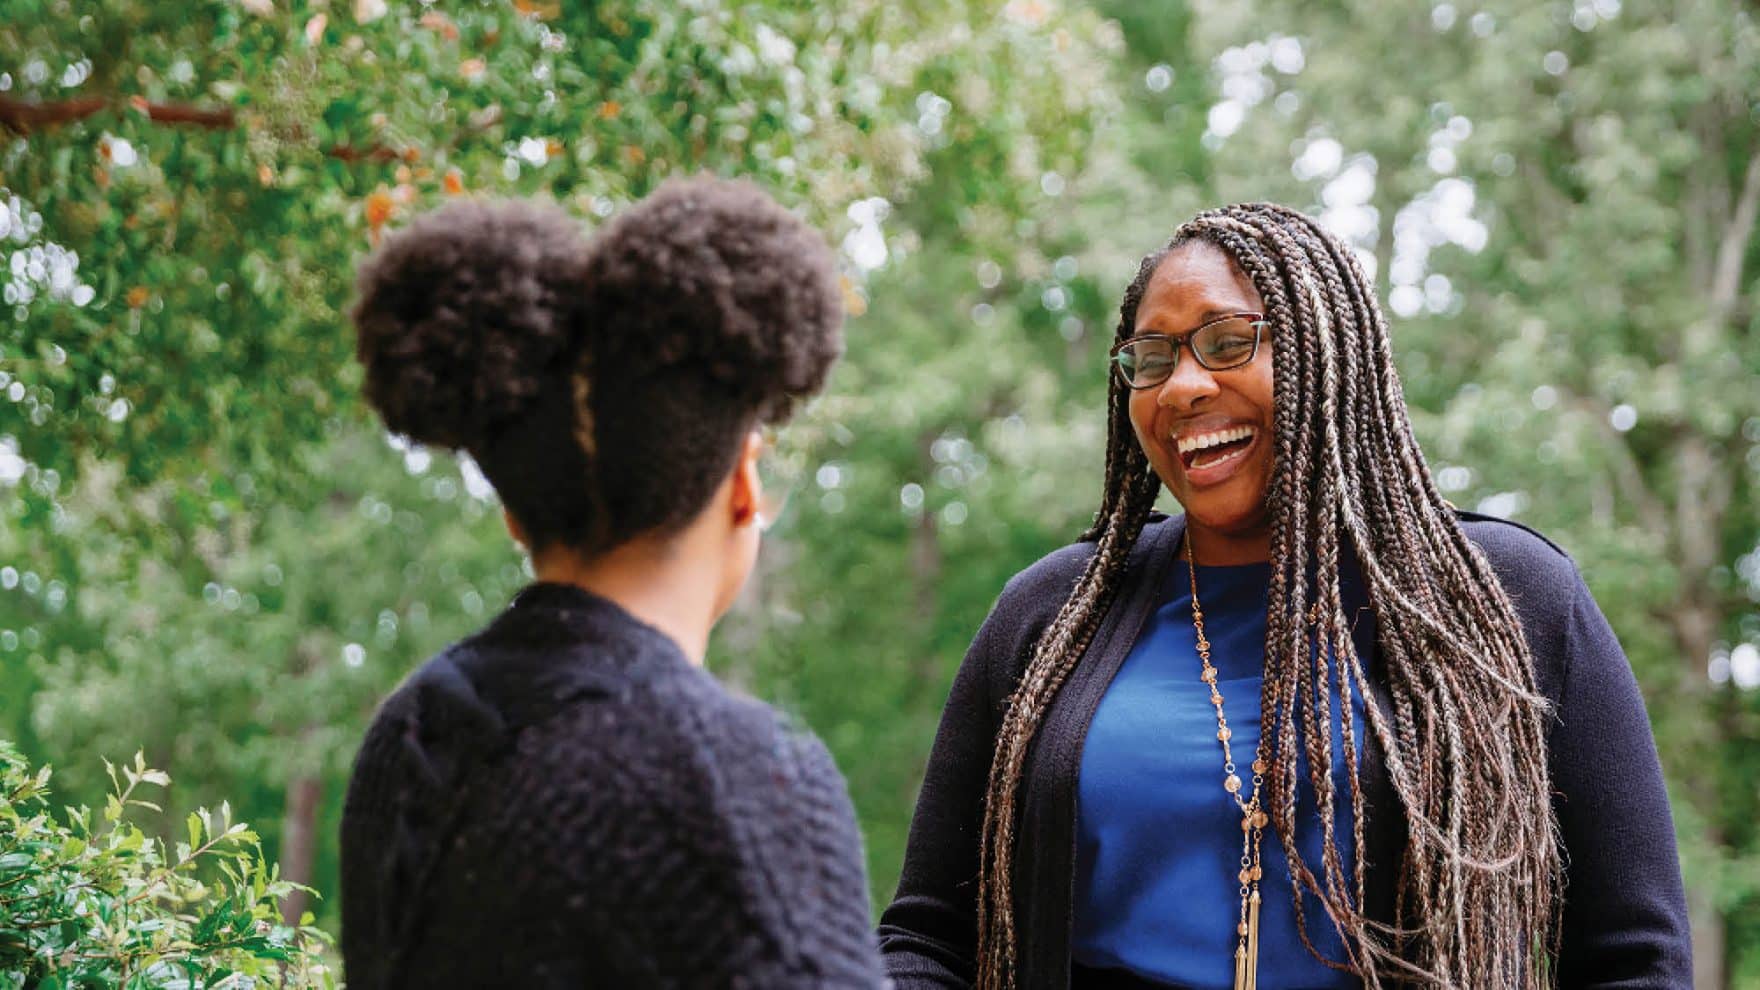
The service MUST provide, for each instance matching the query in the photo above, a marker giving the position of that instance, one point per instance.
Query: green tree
(212, 554)
(1562, 197)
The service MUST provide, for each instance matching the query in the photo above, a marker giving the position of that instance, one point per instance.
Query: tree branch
(21, 116)
(177, 113)
(1651, 512)
(1702, 495)
(1727, 280)
(377, 153)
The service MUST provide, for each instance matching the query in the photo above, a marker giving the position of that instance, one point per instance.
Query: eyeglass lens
(1219, 346)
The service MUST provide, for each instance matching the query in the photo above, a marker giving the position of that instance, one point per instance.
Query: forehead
(1194, 283)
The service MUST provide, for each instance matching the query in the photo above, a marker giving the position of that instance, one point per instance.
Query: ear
(514, 529)
(747, 491)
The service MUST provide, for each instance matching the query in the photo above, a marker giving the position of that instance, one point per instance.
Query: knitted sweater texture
(564, 800)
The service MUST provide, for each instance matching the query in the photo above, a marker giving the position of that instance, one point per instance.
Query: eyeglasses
(1148, 359)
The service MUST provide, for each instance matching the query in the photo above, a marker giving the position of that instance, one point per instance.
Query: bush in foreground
(93, 901)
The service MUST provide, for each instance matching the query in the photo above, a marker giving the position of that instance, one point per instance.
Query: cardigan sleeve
(1625, 912)
(928, 936)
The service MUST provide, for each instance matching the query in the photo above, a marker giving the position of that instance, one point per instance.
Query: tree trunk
(1702, 497)
(1710, 945)
(299, 842)
(305, 792)
(1694, 631)
(926, 563)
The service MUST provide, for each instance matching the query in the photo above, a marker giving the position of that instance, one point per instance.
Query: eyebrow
(1203, 318)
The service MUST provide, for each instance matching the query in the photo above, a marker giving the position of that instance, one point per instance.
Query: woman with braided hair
(1322, 730)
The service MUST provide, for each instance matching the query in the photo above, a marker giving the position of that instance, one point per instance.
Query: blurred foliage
(94, 901)
(211, 552)
(1562, 200)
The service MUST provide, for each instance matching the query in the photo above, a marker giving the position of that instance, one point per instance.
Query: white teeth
(1200, 441)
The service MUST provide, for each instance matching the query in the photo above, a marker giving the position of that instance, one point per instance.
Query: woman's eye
(1229, 346)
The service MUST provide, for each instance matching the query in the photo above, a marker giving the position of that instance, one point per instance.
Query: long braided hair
(1480, 883)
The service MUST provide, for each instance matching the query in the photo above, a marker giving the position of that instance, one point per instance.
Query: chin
(1230, 513)
(1241, 521)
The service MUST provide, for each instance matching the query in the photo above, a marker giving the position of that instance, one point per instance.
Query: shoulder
(1548, 593)
(1539, 577)
(770, 753)
(1509, 540)
(714, 749)
(435, 706)
(1048, 581)
(1030, 601)
(1051, 576)
(816, 795)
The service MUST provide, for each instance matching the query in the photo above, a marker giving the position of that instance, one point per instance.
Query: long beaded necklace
(1253, 818)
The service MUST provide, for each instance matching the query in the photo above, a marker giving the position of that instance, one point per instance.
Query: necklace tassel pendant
(1252, 953)
(1246, 949)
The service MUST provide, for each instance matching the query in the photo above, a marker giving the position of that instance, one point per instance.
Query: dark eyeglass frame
(1176, 341)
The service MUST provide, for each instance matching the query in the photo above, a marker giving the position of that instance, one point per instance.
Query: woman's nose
(1189, 384)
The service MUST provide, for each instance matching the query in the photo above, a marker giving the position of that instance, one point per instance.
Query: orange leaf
(634, 155)
(412, 154)
(436, 21)
(137, 297)
(542, 11)
(104, 151)
(402, 173)
(609, 110)
(379, 207)
(453, 183)
(471, 68)
(854, 303)
(552, 147)
(265, 175)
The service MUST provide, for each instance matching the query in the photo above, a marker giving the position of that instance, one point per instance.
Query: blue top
(1158, 839)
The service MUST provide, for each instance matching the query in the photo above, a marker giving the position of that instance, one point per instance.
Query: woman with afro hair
(567, 798)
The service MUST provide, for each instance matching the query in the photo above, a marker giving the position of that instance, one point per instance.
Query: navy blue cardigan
(1625, 913)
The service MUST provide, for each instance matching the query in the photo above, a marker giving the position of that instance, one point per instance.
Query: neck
(1219, 549)
(651, 580)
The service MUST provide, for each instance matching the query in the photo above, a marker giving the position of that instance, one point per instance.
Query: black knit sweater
(563, 800)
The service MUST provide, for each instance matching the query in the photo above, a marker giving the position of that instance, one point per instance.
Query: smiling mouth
(1214, 448)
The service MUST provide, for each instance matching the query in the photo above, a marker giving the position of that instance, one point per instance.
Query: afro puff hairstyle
(603, 386)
